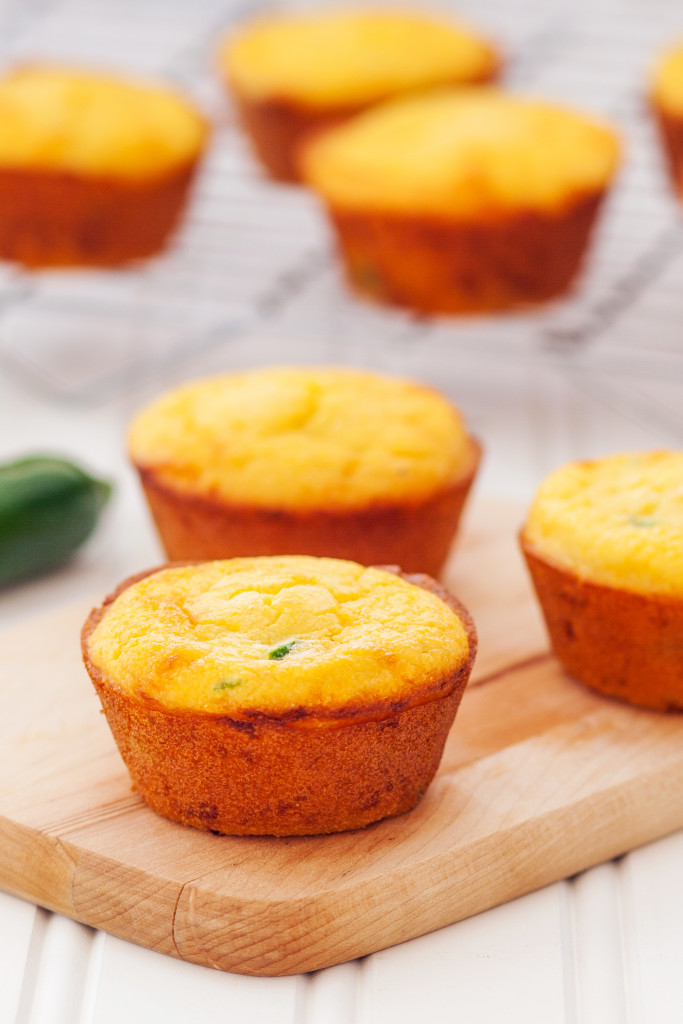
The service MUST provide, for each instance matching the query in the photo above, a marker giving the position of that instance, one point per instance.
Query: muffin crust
(298, 437)
(616, 520)
(276, 635)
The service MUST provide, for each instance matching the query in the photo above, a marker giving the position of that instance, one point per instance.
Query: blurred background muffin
(666, 99)
(299, 460)
(94, 170)
(293, 74)
(463, 200)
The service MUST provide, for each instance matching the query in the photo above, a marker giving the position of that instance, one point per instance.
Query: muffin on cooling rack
(604, 545)
(279, 696)
(94, 170)
(465, 200)
(295, 73)
(297, 460)
(666, 99)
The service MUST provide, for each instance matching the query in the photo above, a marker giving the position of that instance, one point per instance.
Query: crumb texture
(616, 521)
(292, 438)
(91, 124)
(462, 152)
(342, 58)
(276, 634)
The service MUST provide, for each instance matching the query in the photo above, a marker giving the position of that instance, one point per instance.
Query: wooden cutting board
(539, 780)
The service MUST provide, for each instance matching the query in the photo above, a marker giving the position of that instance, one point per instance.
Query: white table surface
(251, 281)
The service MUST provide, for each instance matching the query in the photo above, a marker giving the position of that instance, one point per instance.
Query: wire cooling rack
(255, 256)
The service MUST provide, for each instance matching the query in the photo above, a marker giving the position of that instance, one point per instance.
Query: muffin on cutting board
(94, 170)
(305, 460)
(463, 200)
(279, 696)
(604, 544)
(292, 74)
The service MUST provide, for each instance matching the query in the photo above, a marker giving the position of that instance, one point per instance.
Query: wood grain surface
(539, 780)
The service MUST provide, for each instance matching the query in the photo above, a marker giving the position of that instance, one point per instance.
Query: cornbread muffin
(604, 545)
(279, 696)
(464, 200)
(293, 74)
(666, 99)
(297, 460)
(93, 170)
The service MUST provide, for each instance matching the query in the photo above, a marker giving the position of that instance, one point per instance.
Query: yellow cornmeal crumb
(667, 81)
(617, 521)
(461, 152)
(339, 58)
(202, 637)
(94, 125)
(302, 438)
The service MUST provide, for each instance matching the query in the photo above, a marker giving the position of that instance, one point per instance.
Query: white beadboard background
(250, 280)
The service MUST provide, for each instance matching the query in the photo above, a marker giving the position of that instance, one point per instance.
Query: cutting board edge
(507, 855)
(505, 851)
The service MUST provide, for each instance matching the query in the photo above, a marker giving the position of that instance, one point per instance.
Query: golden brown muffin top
(351, 57)
(302, 438)
(92, 124)
(277, 634)
(461, 153)
(616, 521)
